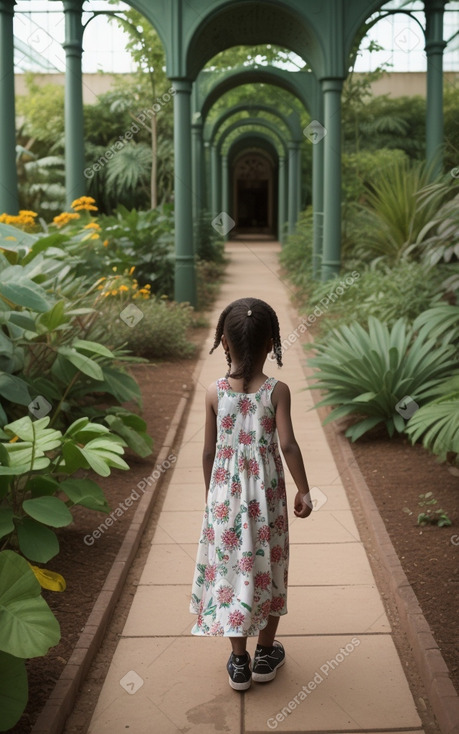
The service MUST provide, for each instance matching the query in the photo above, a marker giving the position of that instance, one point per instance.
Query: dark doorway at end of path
(254, 184)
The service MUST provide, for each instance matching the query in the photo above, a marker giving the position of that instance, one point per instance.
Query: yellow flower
(132, 270)
(60, 220)
(27, 213)
(124, 288)
(92, 225)
(114, 268)
(105, 243)
(114, 292)
(84, 203)
(94, 237)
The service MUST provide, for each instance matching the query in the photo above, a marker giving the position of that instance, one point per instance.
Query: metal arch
(291, 122)
(289, 23)
(249, 121)
(210, 86)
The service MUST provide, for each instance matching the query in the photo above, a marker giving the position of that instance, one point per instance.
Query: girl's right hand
(302, 506)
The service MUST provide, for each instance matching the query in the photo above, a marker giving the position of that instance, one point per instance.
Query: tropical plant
(28, 629)
(395, 216)
(437, 422)
(378, 375)
(439, 238)
(37, 463)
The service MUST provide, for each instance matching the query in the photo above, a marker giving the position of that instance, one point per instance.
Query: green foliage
(437, 422)
(33, 459)
(160, 332)
(296, 254)
(144, 239)
(28, 628)
(388, 293)
(439, 238)
(42, 109)
(394, 216)
(430, 516)
(367, 372)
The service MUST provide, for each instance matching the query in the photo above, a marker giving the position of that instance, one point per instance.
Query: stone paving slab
(174, 682)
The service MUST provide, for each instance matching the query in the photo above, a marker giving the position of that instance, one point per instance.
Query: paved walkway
(342, 674)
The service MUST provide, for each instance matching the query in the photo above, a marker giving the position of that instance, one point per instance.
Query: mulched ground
(395, 471)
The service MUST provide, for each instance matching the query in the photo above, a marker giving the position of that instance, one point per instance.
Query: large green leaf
(16, 288)
(36, 440)
(83, 363)
(6, 521)
(119, 384)
(36, 541)
(132, 432)
(28, 628)
(48, 510)
(85, 492)
(14, 690)
(14, 389)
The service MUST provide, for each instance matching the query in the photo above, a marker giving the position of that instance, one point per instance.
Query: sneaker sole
(265, 677)
(239, 686)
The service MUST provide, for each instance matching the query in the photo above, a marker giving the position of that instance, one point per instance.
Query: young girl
(240, 581)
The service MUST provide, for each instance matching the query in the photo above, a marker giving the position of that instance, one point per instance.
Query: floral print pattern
(242, 560)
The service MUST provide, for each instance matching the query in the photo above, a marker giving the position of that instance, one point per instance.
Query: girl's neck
(254, 384)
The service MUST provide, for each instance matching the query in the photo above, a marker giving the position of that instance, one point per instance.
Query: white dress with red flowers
(242, 560)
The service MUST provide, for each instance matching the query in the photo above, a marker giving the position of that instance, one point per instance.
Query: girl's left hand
(302, 506)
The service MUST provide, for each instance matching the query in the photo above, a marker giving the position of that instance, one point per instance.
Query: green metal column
(318, 194)
(225, 188)
(198, 168)
(294, 183)
(214, 181)
(434, 11)
(281, 199)
(75, 181)
(8, 174)
(185, 275)
(331, 260)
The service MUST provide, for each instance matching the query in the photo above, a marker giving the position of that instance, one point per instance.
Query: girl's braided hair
(248, 324)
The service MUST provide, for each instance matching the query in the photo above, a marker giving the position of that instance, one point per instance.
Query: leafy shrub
(28, 630)
(296, 254)
(37, 463)
(437, 422)
(395, 217)
(367, 372)
(158, 329)
(439, 239)
(388, 293)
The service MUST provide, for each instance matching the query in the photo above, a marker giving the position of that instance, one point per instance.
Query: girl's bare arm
(210, 435)
(291, 450)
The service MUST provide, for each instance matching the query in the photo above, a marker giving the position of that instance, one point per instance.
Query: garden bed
(397, 473)
(85, 567)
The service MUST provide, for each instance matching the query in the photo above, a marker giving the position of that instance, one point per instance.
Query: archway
(254, 184)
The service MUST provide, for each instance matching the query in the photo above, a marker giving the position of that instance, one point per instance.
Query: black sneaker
(240, 671)
(266, 662)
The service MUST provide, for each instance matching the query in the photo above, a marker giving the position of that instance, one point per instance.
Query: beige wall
(394, 84)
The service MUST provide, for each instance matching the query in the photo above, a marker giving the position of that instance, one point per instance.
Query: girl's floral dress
(242, 560)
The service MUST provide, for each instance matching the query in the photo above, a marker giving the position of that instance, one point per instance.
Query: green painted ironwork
(9, 201)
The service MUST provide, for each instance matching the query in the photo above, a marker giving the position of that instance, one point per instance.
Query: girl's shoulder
(280, 393)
